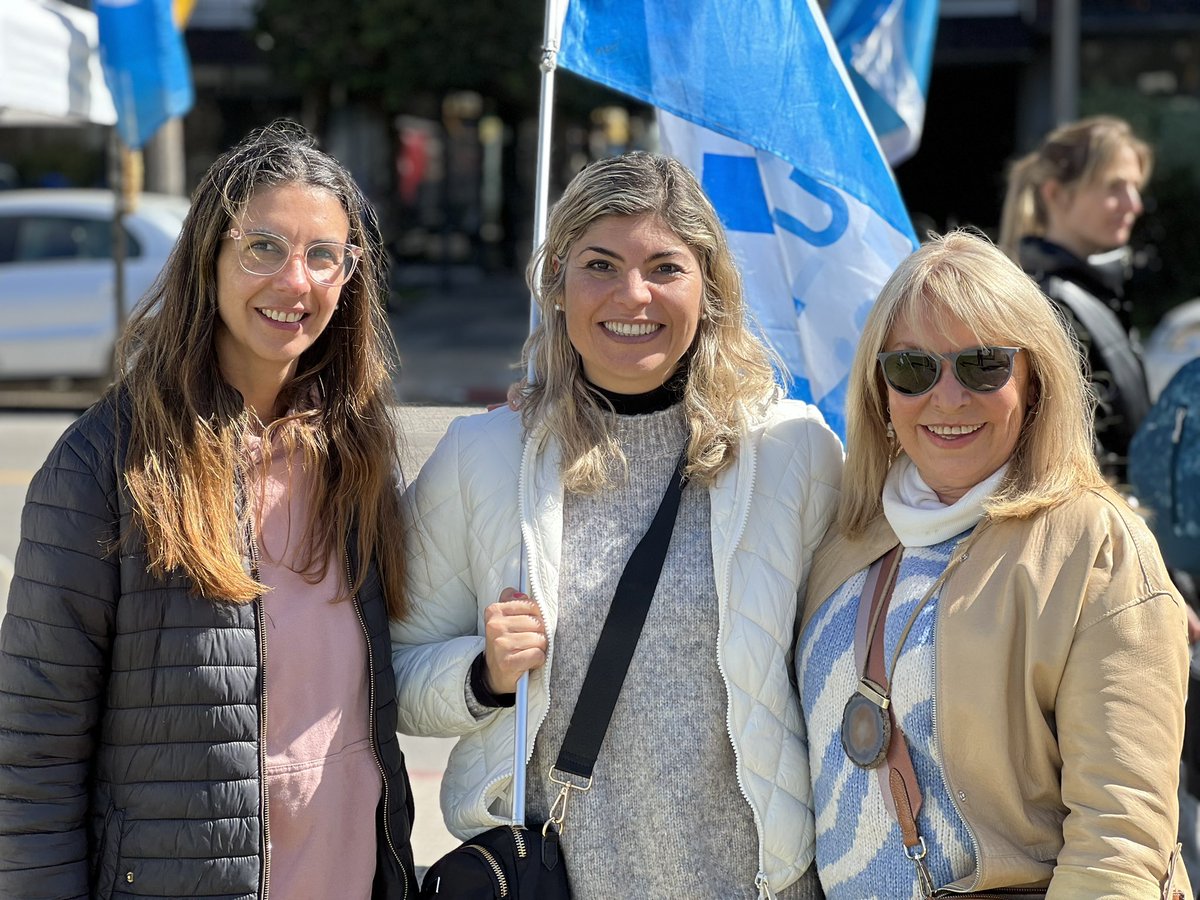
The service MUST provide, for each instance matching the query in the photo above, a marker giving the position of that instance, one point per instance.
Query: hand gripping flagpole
(551, 36)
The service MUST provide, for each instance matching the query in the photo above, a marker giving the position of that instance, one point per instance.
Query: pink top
(323, 784)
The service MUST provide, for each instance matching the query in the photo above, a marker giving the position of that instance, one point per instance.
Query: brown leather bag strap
(897, 777)
(868, 643)
(876, 586)
(874, 667)
(901, 788)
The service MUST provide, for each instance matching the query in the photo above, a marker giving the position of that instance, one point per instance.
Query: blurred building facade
(453, 180)
(991, 99)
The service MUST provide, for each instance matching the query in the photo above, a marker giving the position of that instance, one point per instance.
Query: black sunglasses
(978, 369)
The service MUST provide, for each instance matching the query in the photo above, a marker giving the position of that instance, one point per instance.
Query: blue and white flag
(888, 46)
(754, 99)
(145, 65)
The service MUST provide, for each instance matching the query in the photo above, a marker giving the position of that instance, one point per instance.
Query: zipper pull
(550, 853)
(1180, 414)
(764, 889)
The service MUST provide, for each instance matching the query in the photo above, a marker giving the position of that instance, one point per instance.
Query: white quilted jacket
(485, 487)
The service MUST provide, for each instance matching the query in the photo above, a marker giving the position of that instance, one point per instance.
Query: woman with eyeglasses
(195, 682)
(991, 658)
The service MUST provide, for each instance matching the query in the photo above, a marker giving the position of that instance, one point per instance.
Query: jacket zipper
(937, 737)
(530, 574)
(1181, 414)
(760, 879)
(261, 622)
(387, 829)
(764, 889)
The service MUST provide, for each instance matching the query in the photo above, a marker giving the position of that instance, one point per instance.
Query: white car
(57, 310)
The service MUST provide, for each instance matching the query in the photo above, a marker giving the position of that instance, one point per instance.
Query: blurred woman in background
(1069, 203)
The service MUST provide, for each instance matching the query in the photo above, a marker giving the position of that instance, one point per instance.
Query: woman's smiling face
(267, 322)
(632, 298)
(954, 436)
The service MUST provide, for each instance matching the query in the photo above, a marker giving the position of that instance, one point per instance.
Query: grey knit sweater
(665, 816)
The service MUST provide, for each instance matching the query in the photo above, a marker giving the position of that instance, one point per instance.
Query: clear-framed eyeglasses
(327, 262)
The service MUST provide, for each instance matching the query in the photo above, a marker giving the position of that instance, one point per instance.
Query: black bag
(507, 861)
(519, 863)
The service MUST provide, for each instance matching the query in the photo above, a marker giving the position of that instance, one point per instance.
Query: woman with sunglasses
(991, 658)
(195, 677)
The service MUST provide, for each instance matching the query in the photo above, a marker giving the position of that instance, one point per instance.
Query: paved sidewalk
(460, 335)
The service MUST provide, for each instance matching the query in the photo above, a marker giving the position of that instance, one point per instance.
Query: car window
(38, 238)
(8, 238)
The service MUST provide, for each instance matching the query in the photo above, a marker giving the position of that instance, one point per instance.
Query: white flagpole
(551, 35)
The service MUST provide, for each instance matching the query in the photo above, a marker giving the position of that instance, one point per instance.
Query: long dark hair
(185, 442)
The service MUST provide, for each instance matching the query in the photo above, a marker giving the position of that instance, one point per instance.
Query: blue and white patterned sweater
(859, 850)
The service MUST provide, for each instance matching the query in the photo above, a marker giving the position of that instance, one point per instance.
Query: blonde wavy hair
(186, 424)
(961, 278)
(1073, 154)
(730, 377)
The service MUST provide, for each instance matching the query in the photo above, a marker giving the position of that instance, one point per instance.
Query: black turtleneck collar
(1104, 276)
(662, 397)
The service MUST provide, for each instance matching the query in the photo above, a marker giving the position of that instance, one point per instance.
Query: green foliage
(1164, 236)
(404, 55)
(1167, 233)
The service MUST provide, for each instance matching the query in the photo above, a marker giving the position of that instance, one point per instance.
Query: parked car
(1174, 341)
(57, 275)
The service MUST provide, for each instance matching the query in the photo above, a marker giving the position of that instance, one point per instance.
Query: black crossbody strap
(619, 637)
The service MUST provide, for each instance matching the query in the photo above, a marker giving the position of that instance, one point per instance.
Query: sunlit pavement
(460, 342)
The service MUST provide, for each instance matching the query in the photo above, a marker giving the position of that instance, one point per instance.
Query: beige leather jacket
(1060, 675)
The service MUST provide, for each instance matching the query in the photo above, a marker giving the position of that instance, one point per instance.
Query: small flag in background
(145, 65)
(754, 98)
(888, 47)
(181, 11)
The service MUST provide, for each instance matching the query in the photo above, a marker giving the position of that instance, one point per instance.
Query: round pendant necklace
(867, 719)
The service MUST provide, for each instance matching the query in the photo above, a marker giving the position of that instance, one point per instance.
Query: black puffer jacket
(1090, 298)
(130, 710)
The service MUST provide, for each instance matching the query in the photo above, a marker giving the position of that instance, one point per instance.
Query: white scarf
(916, 514)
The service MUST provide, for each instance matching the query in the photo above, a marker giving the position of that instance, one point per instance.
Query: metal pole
(165, 161)
(550, 39)
(120, 177)
(551, 34)
(1065, 62)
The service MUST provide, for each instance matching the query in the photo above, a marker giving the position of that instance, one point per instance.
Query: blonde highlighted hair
(187, 425)
(962, 279)
(1073, 154)
(730, 378)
